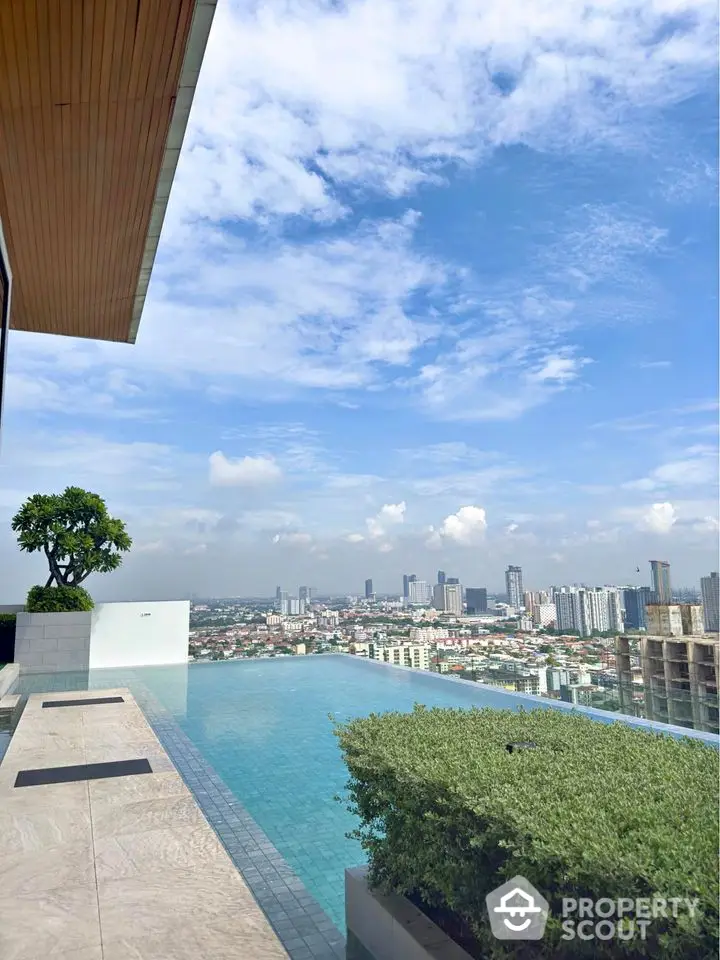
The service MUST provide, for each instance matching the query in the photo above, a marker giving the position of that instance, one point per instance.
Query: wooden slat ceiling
(88, 92)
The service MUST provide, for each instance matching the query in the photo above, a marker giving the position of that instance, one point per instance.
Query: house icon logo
(517, 911)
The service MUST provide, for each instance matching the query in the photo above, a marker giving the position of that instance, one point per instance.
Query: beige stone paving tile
(183, 943)
(217, 904)
(38, 870)
(152, 786)
(62, 921)
(119, 747)
(83, 953)
(99, 722)
(152, 851)
(49, 741)
(139, 816)
(37, 818)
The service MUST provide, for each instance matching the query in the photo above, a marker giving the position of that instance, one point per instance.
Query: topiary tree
(78, 537)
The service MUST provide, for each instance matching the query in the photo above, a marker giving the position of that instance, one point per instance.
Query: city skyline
(706, 589)
(433, 305)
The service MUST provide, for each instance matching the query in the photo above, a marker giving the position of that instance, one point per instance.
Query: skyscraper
(304, 593)
(441, 577)
(369, 590)
(709, 587)
(514, 586)
(635, 601)
(419, 590)
(448, 597)
(660, 572)
(476, 599)
(452, 580)
(408, 578)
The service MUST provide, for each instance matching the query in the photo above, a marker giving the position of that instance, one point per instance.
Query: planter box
(49, 642)
(389, 927)
(110, 635)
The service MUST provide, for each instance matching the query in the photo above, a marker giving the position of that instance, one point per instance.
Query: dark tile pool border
(301, 924)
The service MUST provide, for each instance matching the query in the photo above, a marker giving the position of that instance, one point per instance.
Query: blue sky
(437, 288)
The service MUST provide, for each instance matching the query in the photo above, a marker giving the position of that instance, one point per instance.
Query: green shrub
(595, 810)
(58, 600)
(8, 617)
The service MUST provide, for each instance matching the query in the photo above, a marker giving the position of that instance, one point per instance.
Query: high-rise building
(476, 599)
(453, 580)
(565, 614)
(419, 591)
(408, 578)
(448, 598)
(293, 606)
(369, 590)
(514, 586)
(284, 601)
(441, 577)
(544, 615)
(305, 593)
(635, 601)
(660, 573)
(278, 591)
(710, 588)
(588, 609)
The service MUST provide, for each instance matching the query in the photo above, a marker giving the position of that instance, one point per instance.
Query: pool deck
(122, 868)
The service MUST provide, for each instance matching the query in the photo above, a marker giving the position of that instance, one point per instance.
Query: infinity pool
(266, 728)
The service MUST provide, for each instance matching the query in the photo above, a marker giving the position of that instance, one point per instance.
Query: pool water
(266, 728)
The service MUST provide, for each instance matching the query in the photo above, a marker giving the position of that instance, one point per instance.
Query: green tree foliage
(75, 532)
(595, 810)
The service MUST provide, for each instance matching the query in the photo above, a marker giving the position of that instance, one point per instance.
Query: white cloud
(389, 515)
(197, 550)
(381, 94)
(659, 518)
(245, 472)
(296, 539)
(465, 527)
(385, 548)
(697, 468)
(354, 538)
(152, 546)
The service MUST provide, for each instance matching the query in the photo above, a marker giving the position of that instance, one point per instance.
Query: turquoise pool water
(266, 728)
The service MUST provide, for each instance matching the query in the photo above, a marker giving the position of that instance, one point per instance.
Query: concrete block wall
(48, 642)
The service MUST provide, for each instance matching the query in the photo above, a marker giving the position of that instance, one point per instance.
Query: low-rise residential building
(415, 655)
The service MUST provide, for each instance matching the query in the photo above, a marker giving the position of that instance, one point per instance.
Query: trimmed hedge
(595, 810)
(58, 600)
